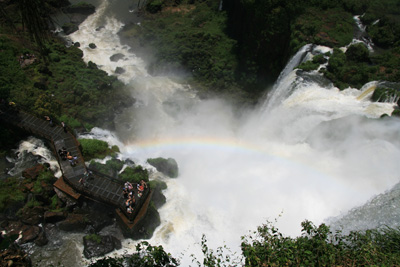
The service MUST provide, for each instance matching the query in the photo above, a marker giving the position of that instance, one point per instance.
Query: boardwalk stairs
(97, 186)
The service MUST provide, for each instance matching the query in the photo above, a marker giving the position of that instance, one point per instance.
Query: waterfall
(361, 35)
(311, 151)
(283, 86)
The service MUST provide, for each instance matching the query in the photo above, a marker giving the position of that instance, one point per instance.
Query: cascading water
(311, 152)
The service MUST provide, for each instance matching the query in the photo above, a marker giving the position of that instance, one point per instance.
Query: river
(310, 151)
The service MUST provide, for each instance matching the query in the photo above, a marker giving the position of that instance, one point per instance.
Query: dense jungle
(232, 49)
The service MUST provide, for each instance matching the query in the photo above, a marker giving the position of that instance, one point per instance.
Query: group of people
(66, 155)
(128, 191)
(26, 59)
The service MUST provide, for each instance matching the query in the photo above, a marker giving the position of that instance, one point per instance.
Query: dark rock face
(41, 239)
(69, 28)
(96, 245)
(167, 166)
(92, 45)
(83, 8)
(33, 173)
(119, 70)
(33, 216)
(14, 256)
(116, 57)
(53, 217)
(74, 222)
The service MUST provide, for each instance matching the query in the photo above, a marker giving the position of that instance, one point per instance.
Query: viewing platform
(97, 186)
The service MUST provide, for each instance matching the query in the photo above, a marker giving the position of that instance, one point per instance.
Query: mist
(313, 153)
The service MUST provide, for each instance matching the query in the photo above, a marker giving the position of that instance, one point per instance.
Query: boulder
(33, 216)
(119, 70)
(92, 45)
(33, 173)
(74, 222)
(168, 166)
(80, 8)
(53, 217)
(97, 245)
(69, 28)
(117, 57)
(41, 240)
(29, 233)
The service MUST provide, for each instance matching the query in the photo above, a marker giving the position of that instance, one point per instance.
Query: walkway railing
(98, 186)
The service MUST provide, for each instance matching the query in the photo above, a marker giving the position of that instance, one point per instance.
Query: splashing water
(312, 152)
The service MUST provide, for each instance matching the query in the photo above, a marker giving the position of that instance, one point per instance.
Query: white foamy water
(313, 153)
(29, 153)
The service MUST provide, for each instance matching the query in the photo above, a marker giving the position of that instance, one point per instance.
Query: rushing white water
(313, 152)
(31, 152)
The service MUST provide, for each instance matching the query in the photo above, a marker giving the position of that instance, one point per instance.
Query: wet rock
(92, 45)
(119, 70)
(29, 233)
(117, 57)
(74, 222)
(67, 200)
(14, 256)
(80, 8)
(77, 44)
(33, 216)
(53, 217)
(97, 245)
(33, 173)
(168, 166)
(41, 240)
(69, 28)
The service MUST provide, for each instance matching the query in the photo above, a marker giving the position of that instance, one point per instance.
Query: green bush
(167, 166)
(93, 237)
(93, 148)
(10, 192)
(358, 52)
(154, 6)
(318, 246)
(383, 94)
(134, 175)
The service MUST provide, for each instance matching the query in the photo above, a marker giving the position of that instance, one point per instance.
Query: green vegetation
(332, 27)
(145, 255)
(96, 149)
(167, 166)
(10, 192)
(383, 94)
(52, 79)
(134, 175)
(111, 168)
(93, 237)
(190, 38)
(313, 64)
(316, 246)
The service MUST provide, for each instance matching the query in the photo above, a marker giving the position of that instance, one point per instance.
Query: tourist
(64, 126)
(49, 120)
(125, 192)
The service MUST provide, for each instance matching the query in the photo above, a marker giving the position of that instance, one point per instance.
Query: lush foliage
(10, 192)
(93, 237)
(93, 148)
(52, 79)
(111, 168)
(167, 166)
(146, 255)
(318, 246)
(189, 37)
(134, 175)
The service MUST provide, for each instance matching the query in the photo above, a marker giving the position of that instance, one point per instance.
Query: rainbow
(231, 145)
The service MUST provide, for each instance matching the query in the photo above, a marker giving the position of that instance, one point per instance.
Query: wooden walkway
(97, 186)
